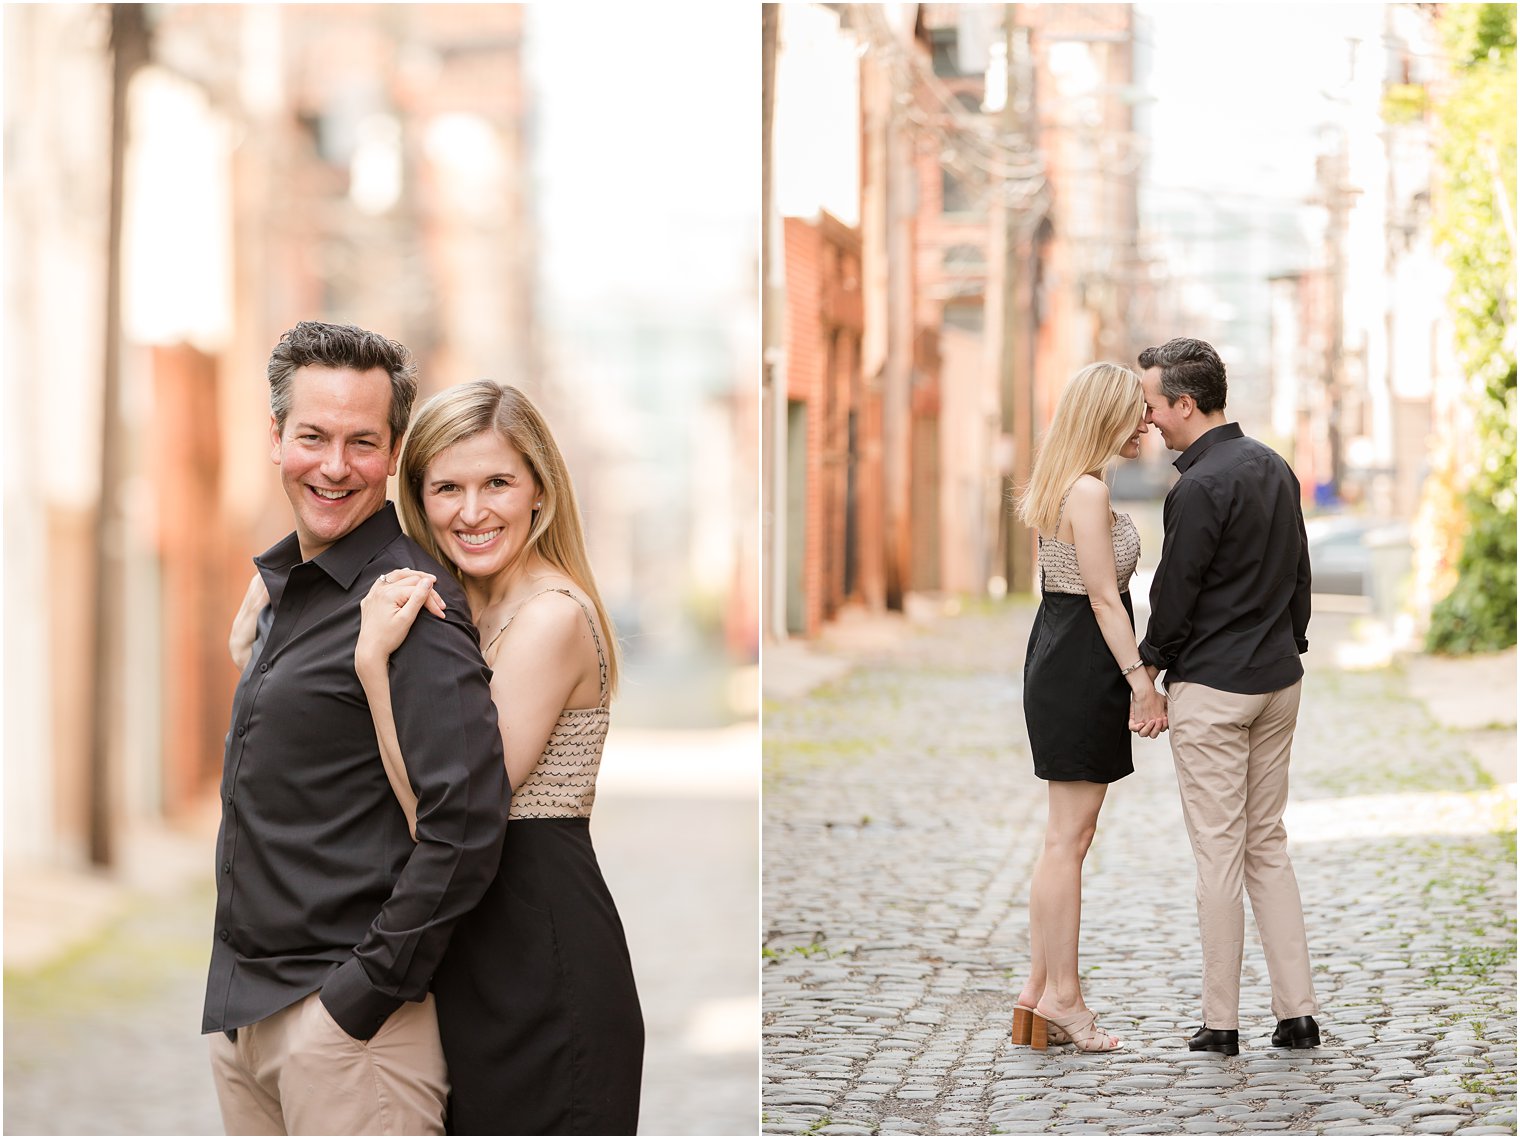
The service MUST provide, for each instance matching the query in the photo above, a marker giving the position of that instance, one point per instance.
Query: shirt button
(223, 934)
(229, 800)
(226, 868)
(241, 729)
(263, 668)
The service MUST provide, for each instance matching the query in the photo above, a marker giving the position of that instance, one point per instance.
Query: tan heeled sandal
(1081, 1030)
(1023, 1028)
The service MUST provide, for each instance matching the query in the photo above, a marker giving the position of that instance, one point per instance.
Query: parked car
(1358, 555)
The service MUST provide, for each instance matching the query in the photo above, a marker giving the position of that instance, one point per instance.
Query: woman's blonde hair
(1098, 411)
(461, 413)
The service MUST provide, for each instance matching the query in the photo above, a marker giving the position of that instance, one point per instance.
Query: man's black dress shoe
(1206, 1039)
(1300, 1032)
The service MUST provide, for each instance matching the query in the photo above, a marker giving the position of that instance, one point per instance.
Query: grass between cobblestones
(116, 1015)
(121, 964)
(901, 822)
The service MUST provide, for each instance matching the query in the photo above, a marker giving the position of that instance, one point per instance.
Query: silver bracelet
(1131, 668)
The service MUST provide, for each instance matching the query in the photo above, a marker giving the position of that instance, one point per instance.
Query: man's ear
(274, 441)
(1186, 405)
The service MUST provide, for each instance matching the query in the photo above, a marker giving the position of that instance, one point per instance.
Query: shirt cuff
(358, 1007)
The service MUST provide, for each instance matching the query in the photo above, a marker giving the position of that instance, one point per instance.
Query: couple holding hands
(1229, 619)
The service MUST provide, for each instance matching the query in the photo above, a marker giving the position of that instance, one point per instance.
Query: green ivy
(1405, 102)
(1476, 161)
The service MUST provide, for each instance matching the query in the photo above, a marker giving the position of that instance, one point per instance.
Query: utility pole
(876, 92)
(1016, 364)
(1333, 182)
(772, 346)
(129, 51)
(897, 376)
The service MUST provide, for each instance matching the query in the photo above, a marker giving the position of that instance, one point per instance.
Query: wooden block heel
(1039, 1037)
(1021, 1024)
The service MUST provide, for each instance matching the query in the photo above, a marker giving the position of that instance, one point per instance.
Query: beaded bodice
(562, 784)
(1059, 572)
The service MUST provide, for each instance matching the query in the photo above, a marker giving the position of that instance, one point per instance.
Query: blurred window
(964, 259)
(944, 49)
(956, 197)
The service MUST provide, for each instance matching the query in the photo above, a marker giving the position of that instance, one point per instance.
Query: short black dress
(1076, 701)
(537, 1009)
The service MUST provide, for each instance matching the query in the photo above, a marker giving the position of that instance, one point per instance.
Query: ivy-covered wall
(1472, 488)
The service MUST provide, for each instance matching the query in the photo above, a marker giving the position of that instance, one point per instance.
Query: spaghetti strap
(1061, 513)
(596, 637)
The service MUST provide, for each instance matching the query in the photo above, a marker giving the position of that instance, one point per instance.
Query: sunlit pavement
(677, 834)
(901, 822)
(104, 980)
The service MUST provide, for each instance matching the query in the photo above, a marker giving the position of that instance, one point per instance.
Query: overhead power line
(969, 145)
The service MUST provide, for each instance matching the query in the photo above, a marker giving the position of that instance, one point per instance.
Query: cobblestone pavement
(104, 1040)
(901, 823)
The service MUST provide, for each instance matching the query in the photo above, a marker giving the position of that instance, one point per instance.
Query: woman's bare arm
(1091, 517)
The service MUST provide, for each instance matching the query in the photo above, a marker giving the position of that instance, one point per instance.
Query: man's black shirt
(319, 885)
(1230, 599)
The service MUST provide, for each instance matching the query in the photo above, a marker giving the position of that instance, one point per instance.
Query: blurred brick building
(951, 233)
(362, 163)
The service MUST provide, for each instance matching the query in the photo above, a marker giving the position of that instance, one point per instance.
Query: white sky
(648, 120)
(648, 158)
(1239, 89)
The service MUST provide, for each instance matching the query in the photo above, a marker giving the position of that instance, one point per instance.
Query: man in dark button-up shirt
(1229, 618)
(329, 919)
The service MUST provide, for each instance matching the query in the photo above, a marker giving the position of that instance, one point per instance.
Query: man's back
(1230, 603)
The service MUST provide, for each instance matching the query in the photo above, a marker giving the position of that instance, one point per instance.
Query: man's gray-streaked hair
(342, 346)
(1189, 367)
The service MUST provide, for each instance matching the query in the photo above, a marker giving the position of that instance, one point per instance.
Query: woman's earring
(538, 505)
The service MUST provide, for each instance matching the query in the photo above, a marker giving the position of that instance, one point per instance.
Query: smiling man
(330, 920)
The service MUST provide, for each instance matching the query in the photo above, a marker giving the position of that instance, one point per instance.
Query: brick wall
(842, 530)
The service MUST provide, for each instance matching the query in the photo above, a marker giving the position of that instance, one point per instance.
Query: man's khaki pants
(297, 1073)
(1231, 752)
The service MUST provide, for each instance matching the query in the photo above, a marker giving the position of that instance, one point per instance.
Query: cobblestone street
(902, 820)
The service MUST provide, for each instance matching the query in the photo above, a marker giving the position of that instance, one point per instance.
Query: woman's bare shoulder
(1088, 494)
(555, 615)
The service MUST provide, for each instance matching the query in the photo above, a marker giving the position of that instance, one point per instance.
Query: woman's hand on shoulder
(389, 610)
(245, 625)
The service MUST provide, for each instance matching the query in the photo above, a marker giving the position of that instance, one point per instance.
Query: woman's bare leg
(1055, 896)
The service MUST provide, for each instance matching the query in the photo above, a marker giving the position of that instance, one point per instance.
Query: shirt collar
(1204, 442)
(343, 561)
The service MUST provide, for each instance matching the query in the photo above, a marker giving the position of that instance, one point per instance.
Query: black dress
(537, 1009)
(1076, 701)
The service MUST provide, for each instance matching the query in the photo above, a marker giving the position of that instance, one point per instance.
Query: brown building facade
(172, 206)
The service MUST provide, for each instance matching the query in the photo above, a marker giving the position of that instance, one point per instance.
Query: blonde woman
(540, 1021)
(1085, 686)
(537, 1010)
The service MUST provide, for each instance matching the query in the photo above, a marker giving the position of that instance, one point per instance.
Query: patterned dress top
(562, 784)
(1058, 560)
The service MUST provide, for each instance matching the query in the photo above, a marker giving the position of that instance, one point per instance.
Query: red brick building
(361, 163)
(835, 548)
(997, 254)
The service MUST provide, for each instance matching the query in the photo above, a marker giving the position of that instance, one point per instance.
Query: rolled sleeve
(1300, 606)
